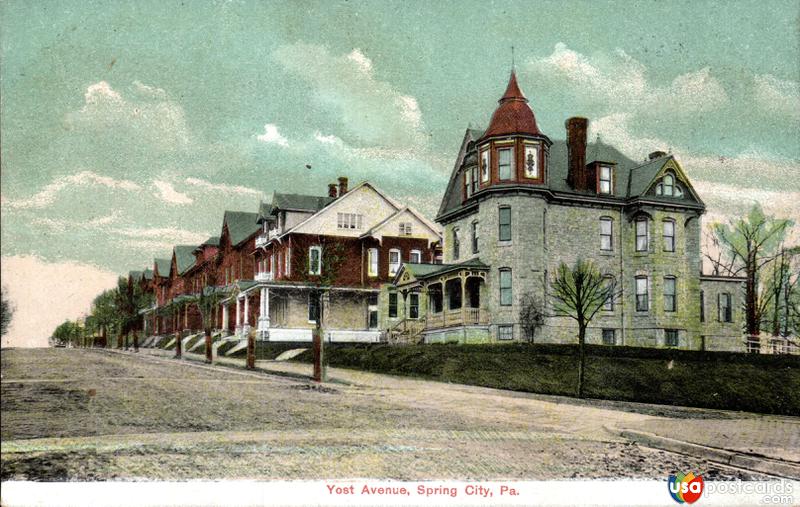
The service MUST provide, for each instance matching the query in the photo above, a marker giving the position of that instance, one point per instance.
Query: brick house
(332, 254)
(518, 204)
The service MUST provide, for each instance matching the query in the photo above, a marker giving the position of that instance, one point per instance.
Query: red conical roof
(513, 116)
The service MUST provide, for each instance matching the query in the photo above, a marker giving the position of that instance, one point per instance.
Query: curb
(750, 462)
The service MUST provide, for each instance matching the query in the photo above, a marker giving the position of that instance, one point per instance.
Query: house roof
(164, 266)
(300, 202)
(135, 275)
(397, 213)
(147, 274)
(643, 175)
(241, 225)
(184, 257)
(513, 115)
(212, 241)
(425, 271)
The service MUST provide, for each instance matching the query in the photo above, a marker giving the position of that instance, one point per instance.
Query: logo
(685, 488)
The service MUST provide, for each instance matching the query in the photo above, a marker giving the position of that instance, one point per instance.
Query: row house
(328, 258)
(518, 204)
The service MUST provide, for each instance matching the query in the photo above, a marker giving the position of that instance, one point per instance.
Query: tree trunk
(251, 350)
(209, 349)
(178, 351)
(135, 341)
(319, 374)
(581, 358)
(119, 340)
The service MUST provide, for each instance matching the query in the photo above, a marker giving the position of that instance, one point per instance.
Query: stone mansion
(519, 203)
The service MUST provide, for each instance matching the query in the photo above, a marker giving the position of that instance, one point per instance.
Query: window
(702, 306)
(505, 160)
(505, 224)
(372, 255)
(485, 166)
(609, 337)
(467, 184)
(531, 161)
(669, 184)
(392, 305)
(315, 260)
(606, 233)
(669, 294)
(505, 287)
(608, 286)
(475, 237)
(456, 244)
(372, 311)
(671, 338)
(415, 257)
(474, 179)
(405, 228)
(669, 235)
(394, 261)
(313, 306)
(724, 304)
(349, 221)
(413, 305)
(606, 179)
(505, 332)
(641, 235)
(641, 294)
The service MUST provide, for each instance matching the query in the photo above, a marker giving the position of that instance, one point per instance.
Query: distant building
(518, 204)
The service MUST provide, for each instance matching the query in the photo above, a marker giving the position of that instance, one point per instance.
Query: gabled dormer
(663, 179)
(511, 151)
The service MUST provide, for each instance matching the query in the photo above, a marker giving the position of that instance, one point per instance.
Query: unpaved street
(72, 414)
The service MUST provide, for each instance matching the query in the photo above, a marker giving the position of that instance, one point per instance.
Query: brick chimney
(342, 185)
(332, 190)
(576, 153)
(656, 154)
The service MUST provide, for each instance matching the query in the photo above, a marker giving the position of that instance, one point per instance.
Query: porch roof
(427, 271)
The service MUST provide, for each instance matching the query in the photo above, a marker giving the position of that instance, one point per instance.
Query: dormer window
(485, 166)
(531, 161)
(505, 161)
(606, 179)
(669, 187)
(405, 228)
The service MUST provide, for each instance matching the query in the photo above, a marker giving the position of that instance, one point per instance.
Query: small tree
(531, 315)
(579, 293)
(207, 302)
(6, 312)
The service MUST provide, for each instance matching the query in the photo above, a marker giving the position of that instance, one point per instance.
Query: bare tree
(579, 292)
(531, 315)
(6, 312)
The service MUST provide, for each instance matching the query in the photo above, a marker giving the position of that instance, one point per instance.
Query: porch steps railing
(407, 331)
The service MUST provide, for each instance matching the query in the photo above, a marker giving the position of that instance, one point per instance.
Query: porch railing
(468, 317)
(262, 240)
(264, 276)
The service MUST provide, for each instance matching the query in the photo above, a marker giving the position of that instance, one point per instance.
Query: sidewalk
(764, 443)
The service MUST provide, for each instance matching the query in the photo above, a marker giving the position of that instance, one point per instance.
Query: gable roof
(135, 276)
(164, 266)
(425, 271)
(397, 213)
(643, 175)
(300, 202)
(452, 194)
(241, 225)
(147, 274)
(184, 257)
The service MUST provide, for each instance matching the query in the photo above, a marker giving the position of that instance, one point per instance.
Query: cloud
(167, 193)
(329, 139)
(778, 96)
(371, 111)
(621, 81)
(61, 225)
(615, 130)
(45, 294)
(220, 187)
(147, 114)
(86, 179)
(272, 136)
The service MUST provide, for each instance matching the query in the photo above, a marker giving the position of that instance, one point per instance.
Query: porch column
(246, 323)
(224, 319)
(238, 314)
(445, 301)
(186, 317)
(263, 317)
(463, 299)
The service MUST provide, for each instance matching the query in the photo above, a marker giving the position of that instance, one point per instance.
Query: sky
(128, 127)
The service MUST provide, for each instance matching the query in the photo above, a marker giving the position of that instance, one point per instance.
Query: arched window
(669, 183)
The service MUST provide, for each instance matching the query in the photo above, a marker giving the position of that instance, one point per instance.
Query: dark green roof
(212, 241)
(147, 274)
(632, 178)
(241, 225)
(300, 202)
(135, 276)
(164, 266)
(184, 257)
(264, 210)
(424, 271)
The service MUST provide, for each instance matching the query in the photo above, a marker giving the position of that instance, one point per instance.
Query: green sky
(130, 126)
